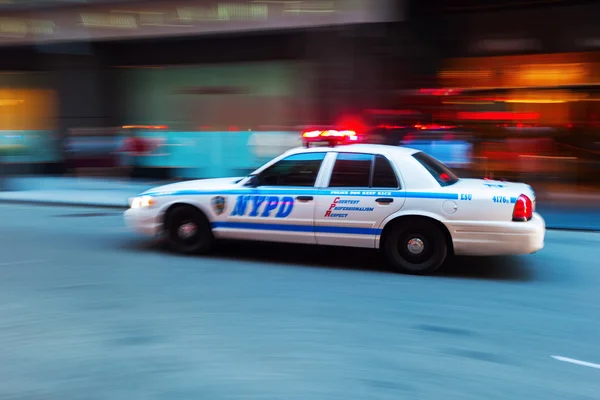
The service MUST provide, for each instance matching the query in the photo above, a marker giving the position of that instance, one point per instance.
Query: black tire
(423, 235)
(187, 220)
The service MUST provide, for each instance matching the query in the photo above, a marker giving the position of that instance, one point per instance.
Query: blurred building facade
(524, 77)
(195, 66)
(227, 76)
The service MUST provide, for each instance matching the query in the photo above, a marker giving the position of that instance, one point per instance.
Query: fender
(192, 201)
(409, 213)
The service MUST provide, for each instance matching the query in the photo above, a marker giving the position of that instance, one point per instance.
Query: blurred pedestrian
(133, 147)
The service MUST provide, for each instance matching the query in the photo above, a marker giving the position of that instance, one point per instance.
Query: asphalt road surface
(90, 311)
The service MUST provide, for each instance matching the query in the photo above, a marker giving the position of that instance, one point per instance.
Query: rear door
(362, 190)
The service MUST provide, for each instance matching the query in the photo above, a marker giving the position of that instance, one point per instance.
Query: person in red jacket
(134, 147)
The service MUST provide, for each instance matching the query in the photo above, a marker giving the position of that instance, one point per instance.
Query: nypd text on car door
(278, 203)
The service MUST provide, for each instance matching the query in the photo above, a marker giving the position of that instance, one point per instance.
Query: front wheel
(188, 231)
(416, 247)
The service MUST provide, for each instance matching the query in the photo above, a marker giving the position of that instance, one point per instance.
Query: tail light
(523, 210)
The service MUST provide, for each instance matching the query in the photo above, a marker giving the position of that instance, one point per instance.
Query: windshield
(442, 174)
(271, 161)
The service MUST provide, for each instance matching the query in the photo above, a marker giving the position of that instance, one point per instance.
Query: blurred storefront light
(531, 75)
(528, 71)
(535, 101)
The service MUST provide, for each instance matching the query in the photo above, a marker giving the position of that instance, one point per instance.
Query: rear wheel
(416, 246)
(188, 230)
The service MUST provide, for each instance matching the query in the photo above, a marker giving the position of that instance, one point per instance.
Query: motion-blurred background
(500, 88)
(101, 100)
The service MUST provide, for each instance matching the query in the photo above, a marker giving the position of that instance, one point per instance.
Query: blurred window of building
(234, 97)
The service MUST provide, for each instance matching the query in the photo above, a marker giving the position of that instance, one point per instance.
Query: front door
(362, 191)
(281, 207)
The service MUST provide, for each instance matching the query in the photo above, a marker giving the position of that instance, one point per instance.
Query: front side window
(296, 170)
(442, 174)
(355, 170)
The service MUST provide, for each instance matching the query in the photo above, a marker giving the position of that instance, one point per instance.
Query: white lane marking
(578, 362)
(22, 262)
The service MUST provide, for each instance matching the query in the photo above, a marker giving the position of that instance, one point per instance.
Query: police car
(400, 200)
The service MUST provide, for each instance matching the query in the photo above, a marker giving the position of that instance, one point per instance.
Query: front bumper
(147, 221)
(498, 238)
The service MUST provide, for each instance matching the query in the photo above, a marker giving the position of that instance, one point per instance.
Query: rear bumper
(498, 238)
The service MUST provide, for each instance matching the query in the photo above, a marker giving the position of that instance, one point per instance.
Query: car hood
(195, 186)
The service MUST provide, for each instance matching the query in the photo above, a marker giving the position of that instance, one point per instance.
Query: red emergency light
(499, 116)
(331, 136)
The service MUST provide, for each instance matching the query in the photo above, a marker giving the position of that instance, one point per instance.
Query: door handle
(304, 198)
(385, 200)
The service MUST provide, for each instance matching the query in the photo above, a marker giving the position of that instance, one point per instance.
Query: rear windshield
(442, 174)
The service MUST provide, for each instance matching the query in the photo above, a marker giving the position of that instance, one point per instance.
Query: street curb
(549, 228)
(64, 204)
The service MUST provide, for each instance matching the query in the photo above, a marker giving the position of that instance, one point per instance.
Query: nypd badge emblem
(218, 204)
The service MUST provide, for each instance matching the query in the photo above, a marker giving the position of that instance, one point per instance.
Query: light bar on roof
(331, 136)
(329, 133)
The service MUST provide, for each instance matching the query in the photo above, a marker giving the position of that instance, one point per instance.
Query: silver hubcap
(186, 231)
(415, 246)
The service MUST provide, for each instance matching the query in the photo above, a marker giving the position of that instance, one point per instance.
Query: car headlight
(142, 202)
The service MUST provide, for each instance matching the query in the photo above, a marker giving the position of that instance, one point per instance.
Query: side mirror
(252, 182)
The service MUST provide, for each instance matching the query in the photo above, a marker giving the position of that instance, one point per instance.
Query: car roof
(393, 151)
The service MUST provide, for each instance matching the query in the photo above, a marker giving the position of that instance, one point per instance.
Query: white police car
(392, 198)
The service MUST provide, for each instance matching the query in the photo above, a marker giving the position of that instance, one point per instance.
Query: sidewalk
(91, 192)
(562, 207)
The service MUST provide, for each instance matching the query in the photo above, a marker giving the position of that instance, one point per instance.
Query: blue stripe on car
(297, 228)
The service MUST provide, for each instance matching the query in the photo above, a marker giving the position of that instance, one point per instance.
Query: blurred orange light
(144, 127)
(465, 74)
(432, 127)
(10, 102)
(535, 101)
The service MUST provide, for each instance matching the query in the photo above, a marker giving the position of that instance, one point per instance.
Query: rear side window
(442, 174)
(351, 170)
(383, 174)
(356, 170)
